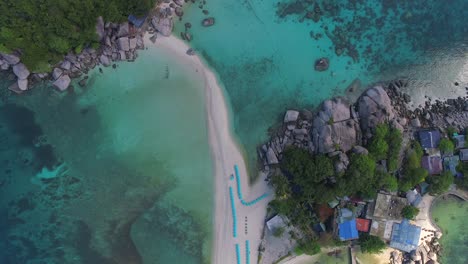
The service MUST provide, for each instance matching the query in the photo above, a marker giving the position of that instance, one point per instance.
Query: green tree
(378, 146)
(440, 183)
(361, 170)
(386, 181)
(371, 244)
(281, 186)
(394, 141)
(412, 177)
(409, 212)
(446, 146)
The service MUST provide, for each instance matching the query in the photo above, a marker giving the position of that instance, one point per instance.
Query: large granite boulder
(133, 43)
(375, 108)
(271, 156)
(23, 84)
(100, 28)
(163, 25)
(104, 60)
(179, 2)
(334, 128)
(62, 82)
(123, 30)
(291, 116)
(10, 58)
(56, 73)
(21, 71)
(124, 44)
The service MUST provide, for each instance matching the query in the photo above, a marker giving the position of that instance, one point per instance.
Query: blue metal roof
(348, 231)
(137, 22)
(429, 138)
(405, 236)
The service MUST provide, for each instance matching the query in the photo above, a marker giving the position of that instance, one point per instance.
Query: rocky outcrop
(322, 64)
(123, 44)
(208, 22)
(163, 25)
(11, 59)
(375, 107)
(21, 71)
(334, 127)
(291, 116)
(62, 82)
(100, 28)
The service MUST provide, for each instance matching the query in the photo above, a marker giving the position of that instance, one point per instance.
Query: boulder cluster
(335, 129)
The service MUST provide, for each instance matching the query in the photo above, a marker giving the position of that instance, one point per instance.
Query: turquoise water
(450, 215)
(264, 51)
(117, 172)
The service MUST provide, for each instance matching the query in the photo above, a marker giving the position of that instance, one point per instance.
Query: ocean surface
(120, 171)
(264, 52)
(450, 215)
(117, 172)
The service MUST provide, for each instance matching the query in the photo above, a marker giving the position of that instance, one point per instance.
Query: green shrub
(440, 183)
(371, 244)
(446, 146)
(409, 212)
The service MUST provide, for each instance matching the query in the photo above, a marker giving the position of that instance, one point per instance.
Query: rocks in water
(163, 25)
(291, 116)
(22, 84)
(206, 12)
(354, 86)
(83, 81)
(153, 38)
(207, 22)
(186, 36)
(21, 71)
(179, 2)
(179, 12)
(190, 52)
(375, 108)
(63, 82)
(104, 60)
(321, 64)
(187, 25)
(333, 127)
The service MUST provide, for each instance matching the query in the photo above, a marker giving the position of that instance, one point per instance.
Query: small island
(353, 178)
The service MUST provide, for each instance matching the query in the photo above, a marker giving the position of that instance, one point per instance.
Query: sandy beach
(226, 154)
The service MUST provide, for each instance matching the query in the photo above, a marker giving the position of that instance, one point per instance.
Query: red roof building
(362, 225)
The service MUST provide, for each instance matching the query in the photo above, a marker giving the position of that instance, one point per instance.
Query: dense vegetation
(409, 212)
(413, 173)
(386, 145)
(439, 183)
(309, 247)
(45, 30)
(371, 244)
(463, 181)
(446, 146)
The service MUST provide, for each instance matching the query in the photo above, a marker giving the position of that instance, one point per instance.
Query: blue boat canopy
(137, 22)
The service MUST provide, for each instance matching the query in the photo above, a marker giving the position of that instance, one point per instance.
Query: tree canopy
(446, 146)
(371, 244)
(409, 212)
(440, 183)
(413, 174)
(45, 30)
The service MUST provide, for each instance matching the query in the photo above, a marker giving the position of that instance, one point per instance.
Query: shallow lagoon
(134, 166)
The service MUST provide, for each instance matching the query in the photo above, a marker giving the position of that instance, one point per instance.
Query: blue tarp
(348, 230)
(429, 138)
(405, 236)
(137, 22)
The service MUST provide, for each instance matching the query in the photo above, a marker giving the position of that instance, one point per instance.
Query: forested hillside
(45, 30)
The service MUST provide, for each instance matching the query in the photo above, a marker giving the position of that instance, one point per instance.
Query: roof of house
(405, 236)
(348, 230)
(459, 141)
(464, 154)
(362, 225)
(387, 207)
(429, 138)
(433, 164)
(450, 164)
(275, 222)
(414, 198)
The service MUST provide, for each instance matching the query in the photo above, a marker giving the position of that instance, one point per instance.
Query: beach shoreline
(225, 154)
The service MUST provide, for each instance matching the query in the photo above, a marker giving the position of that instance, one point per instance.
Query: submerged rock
(322, 64)
(207, 22)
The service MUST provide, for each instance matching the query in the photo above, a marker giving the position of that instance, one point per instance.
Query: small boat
(207, 22)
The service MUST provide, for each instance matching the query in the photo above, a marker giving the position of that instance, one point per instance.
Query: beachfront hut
(386, 207)
(405, 236)
(414, 198)
(348, 231)
(459, 141)
(464, 155)
(433, 164)
(451, 163)
(362, 225)
(275, 223)
(429, 138)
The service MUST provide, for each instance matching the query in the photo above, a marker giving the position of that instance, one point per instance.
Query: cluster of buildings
(435, 162)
